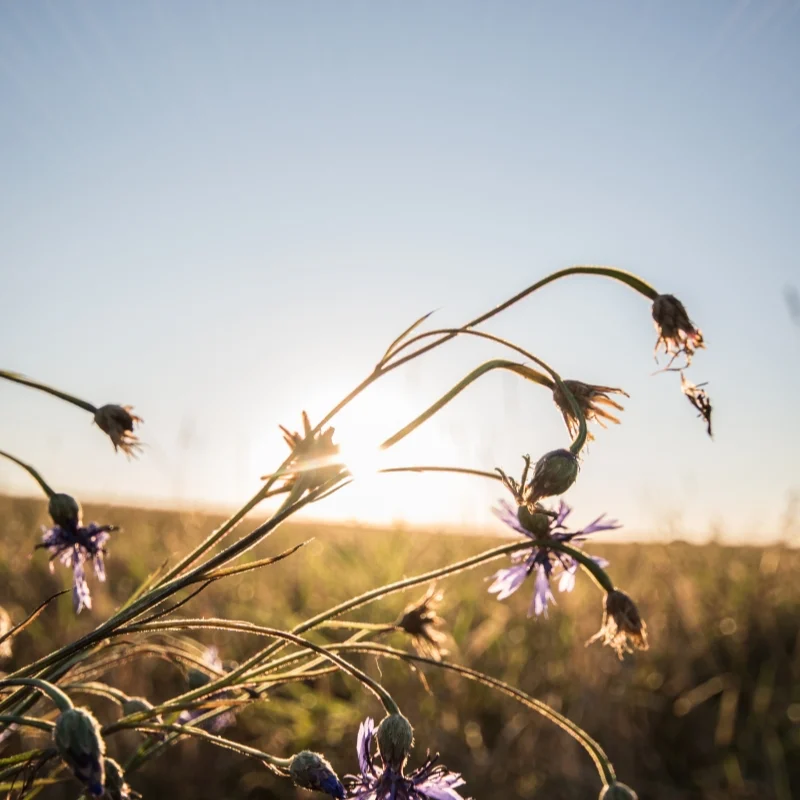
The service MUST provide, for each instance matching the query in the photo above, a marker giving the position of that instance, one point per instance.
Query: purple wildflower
(378, 781)
(73, 546)
(542, 561)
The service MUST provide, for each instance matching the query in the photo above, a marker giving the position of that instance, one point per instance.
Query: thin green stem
(31, 722)
(31, 471)
(62, 702)
(42, 387)
(455, 470)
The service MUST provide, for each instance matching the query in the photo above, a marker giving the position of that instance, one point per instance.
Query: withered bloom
(699, 398)
(314, 456)
(590, 400)
(117, 422)
(622, 625)
(676, 332)
(420, 622)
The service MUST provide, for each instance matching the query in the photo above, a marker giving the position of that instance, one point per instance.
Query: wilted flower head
(381, 781)
(77, 738)
(617, 791)
(314, 456)
(676, 332)
(622, 625)
(197, 678)
(540, 560)
(117, 422)
(73, 545)
(116, 787)
(420, 621)
(313, 771)
(590, 400)
(699, 398)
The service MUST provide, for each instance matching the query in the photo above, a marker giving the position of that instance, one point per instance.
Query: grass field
(712, 710)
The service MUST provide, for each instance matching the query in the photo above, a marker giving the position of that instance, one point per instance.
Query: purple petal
(563, 512)
(600, 561)
(507, 581)
(438, 791)
(365, 732)
(600, 525)
(99, 567)
(566, 583)
(541, 594)
(508, 515)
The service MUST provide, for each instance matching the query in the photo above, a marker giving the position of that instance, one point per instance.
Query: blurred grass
(712, 710)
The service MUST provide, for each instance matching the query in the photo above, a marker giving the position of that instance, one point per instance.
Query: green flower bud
(618, 791)
(553, 474)
(395, 740)
(80, 745)
(65, 511)
(312, 771)
(537, 523)
(116, 788)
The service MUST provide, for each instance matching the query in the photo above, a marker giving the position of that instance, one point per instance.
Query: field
(711, 710)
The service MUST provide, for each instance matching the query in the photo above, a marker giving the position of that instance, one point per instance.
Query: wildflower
(622, 625)
(676, 332)
(312, 771)
(699, 399)
(381, 781)
(117, 422)
(590, 400)
(73, 545)
(314, 456)
(116, 787)
(80, 745)
(420, 622)
(553, 474)
(618, 791)
(198, 678)
(541, 560)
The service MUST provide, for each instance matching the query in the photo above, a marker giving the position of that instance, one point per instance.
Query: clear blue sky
(223, 212)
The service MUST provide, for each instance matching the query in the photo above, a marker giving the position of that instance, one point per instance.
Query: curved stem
(63, 703)
(31, 471)
(595, 751)
(42, 387)
(31, 722)
(456, 470)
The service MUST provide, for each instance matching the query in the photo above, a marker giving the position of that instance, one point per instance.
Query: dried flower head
(314, 456)
(313, 771)
(622, 625)
(117, 422)
(590, 400)
(699, 398)
(381, 781)
(79, 743)
(676, 332)
(420, 621)
(541, 560)
(73, 545)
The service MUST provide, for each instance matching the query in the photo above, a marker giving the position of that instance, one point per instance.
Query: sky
(222, 213)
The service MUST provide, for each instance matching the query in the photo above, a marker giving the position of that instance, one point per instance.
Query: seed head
(314, 456)
(590, 400)
(622, 625)
(312, 771)
(553, 474)
(65, 511)
(395, 739)
(420, 622)
(116, 787)
(618, 791)
(117, 422)
(676, 332)
(80, 745)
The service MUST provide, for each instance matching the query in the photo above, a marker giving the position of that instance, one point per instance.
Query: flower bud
(80, 745)
(312, 771)
(536, 522)
(196, 678)
(553, 474)
(116, 787)
(618, 791)
(395, 740)
(65, 511)
(117, 422)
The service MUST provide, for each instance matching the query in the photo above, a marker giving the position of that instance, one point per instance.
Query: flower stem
(31, 722)
(31, 471)
(62, 702)
(43, 387)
